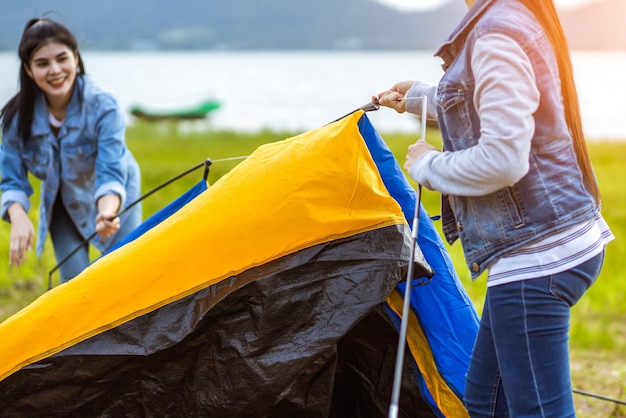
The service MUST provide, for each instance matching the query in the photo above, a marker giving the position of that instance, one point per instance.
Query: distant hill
(275, 24)
(235, 24)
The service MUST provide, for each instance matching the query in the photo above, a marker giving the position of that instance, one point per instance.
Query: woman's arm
(506, 98)
(16, 190)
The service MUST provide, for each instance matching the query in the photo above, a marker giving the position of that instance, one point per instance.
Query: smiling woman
(69, 133)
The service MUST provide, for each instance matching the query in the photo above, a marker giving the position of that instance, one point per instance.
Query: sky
(430, 4)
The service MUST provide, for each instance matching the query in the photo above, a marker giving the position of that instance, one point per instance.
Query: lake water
(299, 91)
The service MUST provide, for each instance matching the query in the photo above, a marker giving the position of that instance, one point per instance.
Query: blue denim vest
(552, 195)
(88, 158)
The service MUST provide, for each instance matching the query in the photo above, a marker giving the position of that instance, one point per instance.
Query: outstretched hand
(21, 238)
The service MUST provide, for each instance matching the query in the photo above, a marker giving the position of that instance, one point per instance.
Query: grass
(598, 325)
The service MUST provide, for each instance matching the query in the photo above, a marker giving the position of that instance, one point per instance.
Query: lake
(299, 91)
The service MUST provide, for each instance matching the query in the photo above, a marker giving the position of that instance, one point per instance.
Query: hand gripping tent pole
(397, 377)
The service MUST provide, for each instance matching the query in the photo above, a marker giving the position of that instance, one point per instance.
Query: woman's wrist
(109, 203)
(16, 212)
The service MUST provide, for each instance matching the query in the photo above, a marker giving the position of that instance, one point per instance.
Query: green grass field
(598, 326)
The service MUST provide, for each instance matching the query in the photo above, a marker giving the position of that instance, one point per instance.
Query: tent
(275, 292)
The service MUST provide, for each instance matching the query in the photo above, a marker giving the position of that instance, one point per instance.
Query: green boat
(192, 113)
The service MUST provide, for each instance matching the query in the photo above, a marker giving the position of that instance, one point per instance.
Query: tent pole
(397, 377)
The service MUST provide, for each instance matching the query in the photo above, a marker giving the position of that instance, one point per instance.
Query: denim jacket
(552, 195)
(87, 160)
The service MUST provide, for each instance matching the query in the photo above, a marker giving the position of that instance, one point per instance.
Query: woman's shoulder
(508, 15)
(92, 88)
(510, 18)
(9, 125)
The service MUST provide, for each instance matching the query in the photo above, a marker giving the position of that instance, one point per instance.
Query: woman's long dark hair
(546, 14)
(37, 33)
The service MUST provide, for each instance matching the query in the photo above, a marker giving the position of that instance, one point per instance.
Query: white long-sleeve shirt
(506, 97)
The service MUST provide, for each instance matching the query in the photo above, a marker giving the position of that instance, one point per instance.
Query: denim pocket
(450, 96)
(455, 102)
(81, 157)
(504, 201)
(36, 160)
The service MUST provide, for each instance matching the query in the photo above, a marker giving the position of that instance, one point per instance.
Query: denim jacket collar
(452, 46)
(41, 125)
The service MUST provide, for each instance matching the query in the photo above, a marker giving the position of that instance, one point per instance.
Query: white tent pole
(397, 377)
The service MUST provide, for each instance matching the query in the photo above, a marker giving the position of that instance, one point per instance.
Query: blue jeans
(66, 238)
(520, 363)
